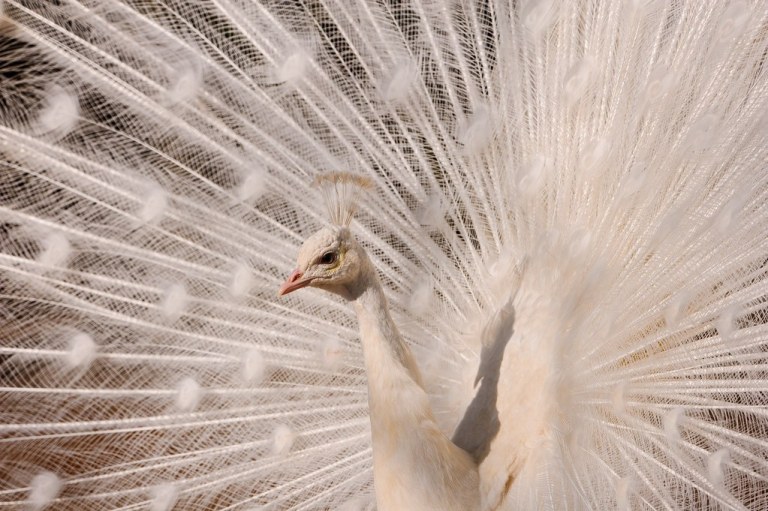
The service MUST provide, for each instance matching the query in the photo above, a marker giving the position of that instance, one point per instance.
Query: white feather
(44, 488)
(602, 163)
(81, 350)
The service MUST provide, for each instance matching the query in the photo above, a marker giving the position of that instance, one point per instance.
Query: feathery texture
(600, 165)
(340, 192)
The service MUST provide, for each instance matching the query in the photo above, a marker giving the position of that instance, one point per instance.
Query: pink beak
(293, 282)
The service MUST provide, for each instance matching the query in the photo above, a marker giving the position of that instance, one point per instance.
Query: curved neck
(415, 465)
(381, 340)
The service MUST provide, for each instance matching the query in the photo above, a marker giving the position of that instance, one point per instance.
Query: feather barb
(340, 191)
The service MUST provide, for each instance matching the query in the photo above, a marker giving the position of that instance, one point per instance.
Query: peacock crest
(341, 191)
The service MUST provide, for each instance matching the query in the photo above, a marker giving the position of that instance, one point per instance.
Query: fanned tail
(602, 162)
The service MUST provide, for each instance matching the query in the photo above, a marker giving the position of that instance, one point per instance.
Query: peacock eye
(328, 258)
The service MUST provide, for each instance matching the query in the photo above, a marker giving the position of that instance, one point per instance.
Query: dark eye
(328, 258)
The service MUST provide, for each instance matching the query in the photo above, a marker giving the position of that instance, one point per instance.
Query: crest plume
(340, 191)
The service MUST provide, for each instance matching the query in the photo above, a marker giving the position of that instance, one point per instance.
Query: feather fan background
(604, 163)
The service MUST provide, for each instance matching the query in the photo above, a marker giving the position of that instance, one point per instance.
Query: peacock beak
(293, 282)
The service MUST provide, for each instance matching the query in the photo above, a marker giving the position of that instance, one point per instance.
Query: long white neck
(415, 465)
(381, 340)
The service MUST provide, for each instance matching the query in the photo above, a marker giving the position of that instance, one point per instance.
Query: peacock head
(330, 259)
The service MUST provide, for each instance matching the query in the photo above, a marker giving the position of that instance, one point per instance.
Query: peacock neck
(415, 465)
(381, 340)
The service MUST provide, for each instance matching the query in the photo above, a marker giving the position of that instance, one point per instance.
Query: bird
(394, 254)
(415, 465)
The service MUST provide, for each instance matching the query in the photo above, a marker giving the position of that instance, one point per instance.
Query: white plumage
(415, 465)
(568, 222)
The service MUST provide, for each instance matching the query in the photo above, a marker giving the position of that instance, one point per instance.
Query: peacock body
(568, 220)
